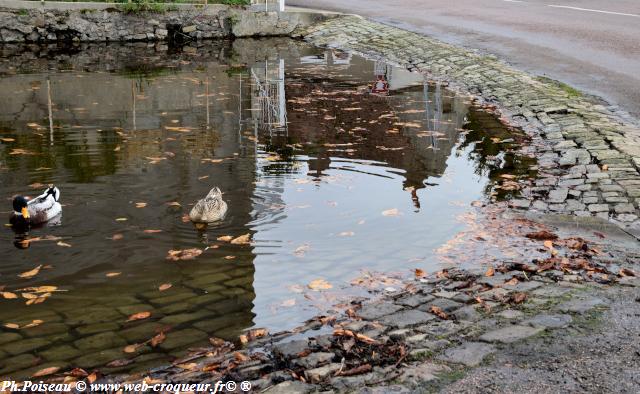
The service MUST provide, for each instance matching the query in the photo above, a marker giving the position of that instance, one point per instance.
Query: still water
(337, 166)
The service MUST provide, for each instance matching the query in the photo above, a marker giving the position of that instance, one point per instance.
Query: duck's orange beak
(25, 213)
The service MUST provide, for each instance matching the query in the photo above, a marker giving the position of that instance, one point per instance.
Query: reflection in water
(306, 155)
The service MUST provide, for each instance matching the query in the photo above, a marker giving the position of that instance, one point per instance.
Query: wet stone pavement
(589, 153)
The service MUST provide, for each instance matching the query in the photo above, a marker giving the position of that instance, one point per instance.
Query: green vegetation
(137, 6)
(571, 91)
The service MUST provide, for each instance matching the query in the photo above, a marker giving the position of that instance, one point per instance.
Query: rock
(470, 354)
(105, 340)
(510, 334)
(318, 375)
(6, 337)
(408, 318)
(314, 360)
(524, 286)
(424, 372)
(580, 305)
(549, 321)
(290, 349)
(468, 313)
(24, 346)
(181, 338)
(444, 304)
(189, 29)
(377, 310)
(598, 208)
(63, 352)
(558, 195)
(510, 314)
(414, 300)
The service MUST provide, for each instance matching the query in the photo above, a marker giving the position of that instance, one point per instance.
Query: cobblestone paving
(589, 153)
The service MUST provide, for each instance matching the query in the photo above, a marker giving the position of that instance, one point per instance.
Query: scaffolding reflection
(268, 101)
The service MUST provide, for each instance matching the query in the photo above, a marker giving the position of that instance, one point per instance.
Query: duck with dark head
(41, 209)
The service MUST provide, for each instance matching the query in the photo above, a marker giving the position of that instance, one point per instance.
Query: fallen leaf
(542, 235)
(132, 348)
(45, 372)
(113, 274)
(548, 245)
(391, 212)
(626, 272)
(141, 204)
(165, 286)
(242, 240)
(188, 366)
(225, 238)
(158, 339)
(512, 282)
(92, 378)
(241, 357)
(347, 234)
(288, 303)
(31, 274)
(8, 295)
(63, 244)
(319, 284)
(117, 237)
(12, 326)
(119, 363)
(420, 273)
(121, 219)
(186, 254)
(439, 312)
(151, 231)
(518, 298)
(173, 204)
(490, 272)
(139, 316)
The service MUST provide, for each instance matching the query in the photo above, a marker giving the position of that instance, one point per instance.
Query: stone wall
(111, 24)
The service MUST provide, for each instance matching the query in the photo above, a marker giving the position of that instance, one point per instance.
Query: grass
(571, 91)
(200, 2)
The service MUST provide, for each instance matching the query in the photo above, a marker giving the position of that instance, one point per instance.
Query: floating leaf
(151, 231)
(225, 238)
(391, 212)
(139, 316)
(490, 272)
(173, 204)
(319, 284)
(542, 235)
(8, 295)
(12, 326)
(121, 219)
(188, 366)
(132, 348)
(117, 237)
(186, 254)
(63, 244)
(141, 204)
(34, 323)
(242, 240)
(165, 286)
(241, 357)
(45, 372)
(288, 303)
(113, 274)
(158, 339)
(301, 250)
(347, 234)
(30, 274)
(419, 273)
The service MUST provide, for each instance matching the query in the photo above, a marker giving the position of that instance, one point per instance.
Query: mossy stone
(24, 346)
(97, 328)
(131, 309)
(46, 329)
(62, 352)
(6, 337)
(98, 358)
(105, 340)
(140, 332)
(11, 364)
(93, 315)
(176, 339)
(182, 318)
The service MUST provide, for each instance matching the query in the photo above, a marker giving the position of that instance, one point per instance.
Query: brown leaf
(165, 286)
(186, 254)
(240, 357)
(119, 363)
(188, 366)
(158, 339)
(512, 282)
(225, 238)
(92, 378)
(8, 295)
(217, 342)
(117, 237)
(490, 271)
(132, 348)
(63, 244)
(30, 274)
(626, 272)
(113, 274)
(12, 326)
(319, 284)
(243, 339)
(45, 372)
(518, 298)
(139, 316)
(548, 245)
(542, 235)
(439, 312)
(152, 231)
(356, 370)
(420, 273)
(242, 240)
(141, 204)
(366, 339)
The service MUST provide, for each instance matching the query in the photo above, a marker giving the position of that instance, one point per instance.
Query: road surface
(593, 45)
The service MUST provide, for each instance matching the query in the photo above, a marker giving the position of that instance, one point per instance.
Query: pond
(337, 167)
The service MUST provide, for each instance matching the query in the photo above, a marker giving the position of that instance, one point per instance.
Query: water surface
(336, 166)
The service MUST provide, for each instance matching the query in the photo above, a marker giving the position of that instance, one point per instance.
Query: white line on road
(514, 1)
(590, 10)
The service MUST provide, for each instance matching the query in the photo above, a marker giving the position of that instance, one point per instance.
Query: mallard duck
(210, 209)
(38, 210)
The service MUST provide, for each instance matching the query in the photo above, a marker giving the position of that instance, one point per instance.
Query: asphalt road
(593, 45)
